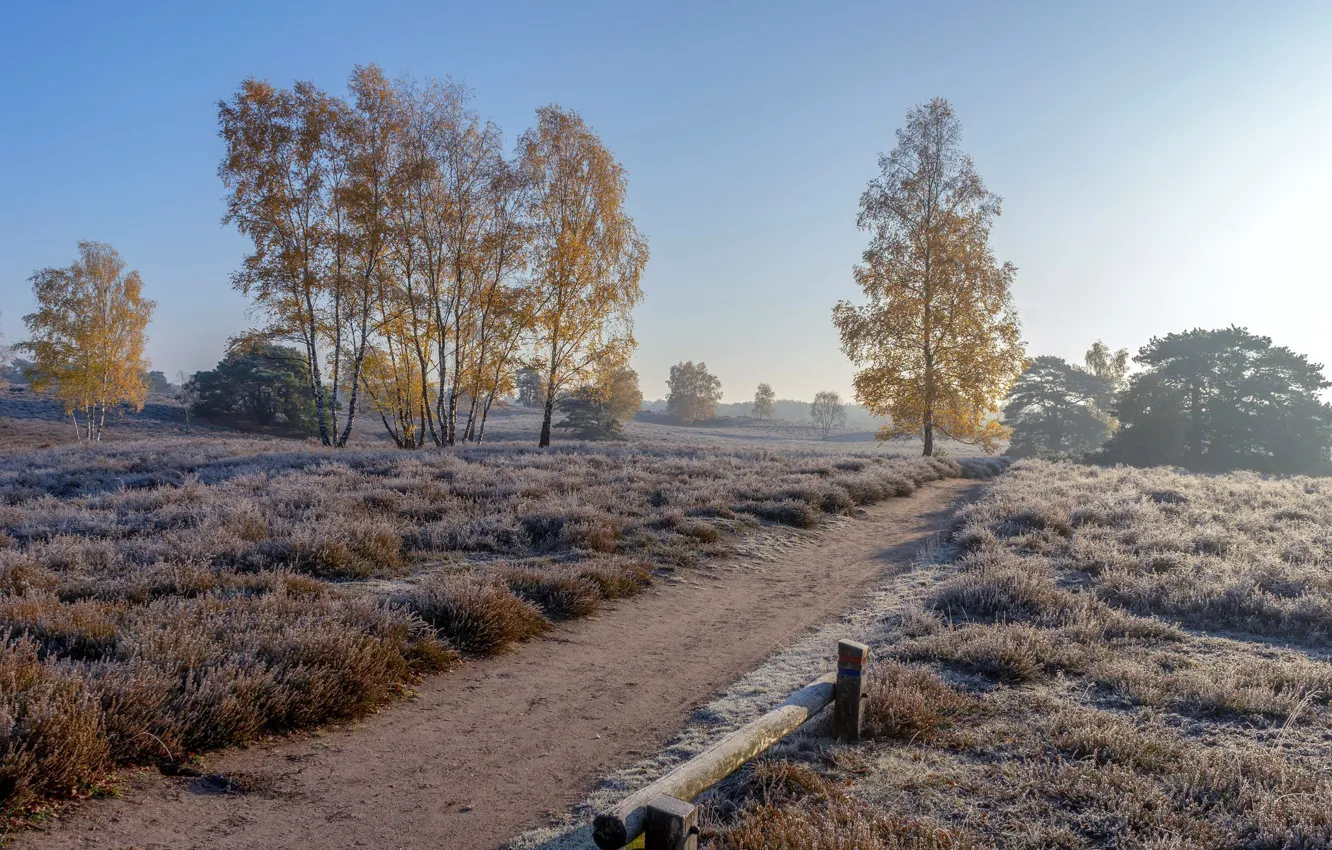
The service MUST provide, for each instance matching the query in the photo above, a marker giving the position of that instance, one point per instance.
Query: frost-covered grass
(162, 598)
(1098, 658)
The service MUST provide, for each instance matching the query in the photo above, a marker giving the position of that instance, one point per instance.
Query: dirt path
(487, 751)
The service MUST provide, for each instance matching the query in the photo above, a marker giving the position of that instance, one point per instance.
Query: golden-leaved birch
(587, 255)
(88, 336)
(937, 343)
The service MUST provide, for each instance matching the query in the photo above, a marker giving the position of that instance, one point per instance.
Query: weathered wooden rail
(663, 812)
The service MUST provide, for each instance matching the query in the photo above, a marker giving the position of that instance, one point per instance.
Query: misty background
(1162, 167)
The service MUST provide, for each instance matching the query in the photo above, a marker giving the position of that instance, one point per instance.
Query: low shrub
(909, 704)
(560, 594)
(475, 615)
(51, 739)
(616, 578)
(782, 512)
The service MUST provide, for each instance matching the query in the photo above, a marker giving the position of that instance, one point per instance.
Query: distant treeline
(788, 409)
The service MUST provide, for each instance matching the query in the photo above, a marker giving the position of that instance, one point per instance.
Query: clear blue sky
(1164, 165)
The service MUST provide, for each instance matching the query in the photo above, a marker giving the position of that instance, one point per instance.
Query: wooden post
(670, 824)
(617, 827)
(849, 692)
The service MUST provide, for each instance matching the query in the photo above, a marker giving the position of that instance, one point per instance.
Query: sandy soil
(506, 744)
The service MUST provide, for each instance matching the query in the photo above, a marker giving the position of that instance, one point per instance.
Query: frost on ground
(1105, 658)
(749, 697)
(160, 599)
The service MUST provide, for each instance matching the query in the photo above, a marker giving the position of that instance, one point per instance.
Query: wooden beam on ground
(617, 827)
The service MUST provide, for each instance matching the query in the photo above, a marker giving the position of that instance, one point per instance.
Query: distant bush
(259, 388)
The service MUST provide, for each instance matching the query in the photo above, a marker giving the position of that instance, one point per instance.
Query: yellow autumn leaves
(413, 260)
(87, 336)
(937, 343)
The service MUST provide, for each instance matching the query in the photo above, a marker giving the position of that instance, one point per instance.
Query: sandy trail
(483, 753)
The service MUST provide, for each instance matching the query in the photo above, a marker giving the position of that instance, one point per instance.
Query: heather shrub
(907, 703)
(616, 578)
(478, 616)
(79, 630)
(782, 512)
(560, 594)
(51, 741)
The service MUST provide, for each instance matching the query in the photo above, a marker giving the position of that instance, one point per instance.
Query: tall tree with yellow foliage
(587, 255)
(88, 336)
(938, 342)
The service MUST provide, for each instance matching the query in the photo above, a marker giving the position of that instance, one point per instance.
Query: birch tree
(587, 255)
(763, 399)
(284, 178)
(88, 335)
(827, 412)
(937, 342)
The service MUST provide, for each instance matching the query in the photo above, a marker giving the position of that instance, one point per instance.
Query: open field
(469, 760)
(1102, 658)
(160, 599)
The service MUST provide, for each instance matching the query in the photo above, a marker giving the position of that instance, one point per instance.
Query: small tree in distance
(1111, 367)
(828, 412)
(531, 388)
(88, 336)
(598, 412)
(693, 392)
(763, 399)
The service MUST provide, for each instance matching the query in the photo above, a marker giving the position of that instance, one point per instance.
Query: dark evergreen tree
(265, 387)
(157, 382)
(1221, 400)
(589, 414)
(1053, 410)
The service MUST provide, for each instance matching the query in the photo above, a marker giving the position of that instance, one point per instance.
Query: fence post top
(670, 805)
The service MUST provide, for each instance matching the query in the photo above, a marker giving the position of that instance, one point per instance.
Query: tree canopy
(1110, 366)
(415, 263)
(1215, 400)
(692, 392)
(1055, 409)
(260, 388)
(937, 342)
(827, 412)
(587, 255)
(88, 335)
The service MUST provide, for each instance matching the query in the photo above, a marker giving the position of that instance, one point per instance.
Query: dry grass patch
(785, 805)
(479, 616)
(196, 593)
(1052, 701)
(909, 704)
